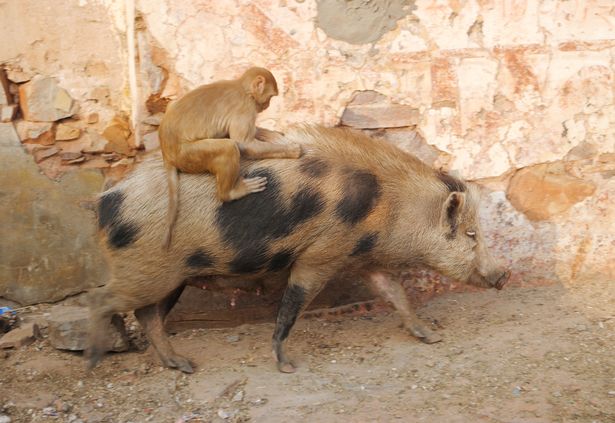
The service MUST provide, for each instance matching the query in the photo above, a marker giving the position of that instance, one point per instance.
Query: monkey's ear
(258, 85)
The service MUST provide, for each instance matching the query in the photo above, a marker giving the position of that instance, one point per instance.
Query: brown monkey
(208, 129)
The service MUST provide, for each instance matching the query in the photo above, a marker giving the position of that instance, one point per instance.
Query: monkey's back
(204, 112)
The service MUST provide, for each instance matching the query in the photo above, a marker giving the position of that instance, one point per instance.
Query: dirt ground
(534, 354)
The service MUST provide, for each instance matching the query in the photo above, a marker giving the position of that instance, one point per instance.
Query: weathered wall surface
(48, 247)
(515, 94)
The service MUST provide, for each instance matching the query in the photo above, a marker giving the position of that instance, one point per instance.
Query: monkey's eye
(471, 234)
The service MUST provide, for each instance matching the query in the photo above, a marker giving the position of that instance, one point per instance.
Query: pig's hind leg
(126, 291)
(151, 318)
(392, 292)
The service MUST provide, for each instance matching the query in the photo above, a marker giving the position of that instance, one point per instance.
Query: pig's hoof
(179, 363)
(287, 367)
(425, 335)
(432, 338)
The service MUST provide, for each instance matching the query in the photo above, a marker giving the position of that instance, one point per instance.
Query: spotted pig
(350, 204)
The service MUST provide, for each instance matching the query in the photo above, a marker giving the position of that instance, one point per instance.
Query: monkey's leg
(303, 285)
(220, 157)
(152, 318)
(392, 292)
(264, 150)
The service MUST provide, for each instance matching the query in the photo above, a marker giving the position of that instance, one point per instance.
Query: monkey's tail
(173, 182)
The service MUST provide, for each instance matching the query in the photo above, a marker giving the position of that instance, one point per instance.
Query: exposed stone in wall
(369, 110)
(544, 190)
(42, 100)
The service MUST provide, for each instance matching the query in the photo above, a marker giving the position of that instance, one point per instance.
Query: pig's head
(460, 250)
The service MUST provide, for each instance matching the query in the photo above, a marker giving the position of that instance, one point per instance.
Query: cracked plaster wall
(498, 86)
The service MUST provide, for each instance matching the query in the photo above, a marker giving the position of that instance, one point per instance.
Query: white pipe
(132, 71)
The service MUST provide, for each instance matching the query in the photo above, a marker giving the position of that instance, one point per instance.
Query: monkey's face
(263, 102)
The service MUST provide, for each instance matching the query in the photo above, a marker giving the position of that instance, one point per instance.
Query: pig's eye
(471, 234)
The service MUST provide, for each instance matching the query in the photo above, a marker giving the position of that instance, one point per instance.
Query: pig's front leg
(304, 283)
(392, 292)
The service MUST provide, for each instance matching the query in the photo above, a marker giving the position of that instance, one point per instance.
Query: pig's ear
(451, 212)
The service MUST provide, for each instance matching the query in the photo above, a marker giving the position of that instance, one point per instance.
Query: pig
(350, 204)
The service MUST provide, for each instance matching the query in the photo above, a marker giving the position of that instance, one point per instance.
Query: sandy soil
(539, 354)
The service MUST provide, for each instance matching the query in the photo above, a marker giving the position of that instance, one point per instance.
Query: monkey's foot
(295, 151)
(257, 184)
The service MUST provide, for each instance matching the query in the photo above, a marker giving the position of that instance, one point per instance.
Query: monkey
(211, 127)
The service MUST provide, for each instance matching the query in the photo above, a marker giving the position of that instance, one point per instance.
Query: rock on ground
(17, 338)
(68, 329)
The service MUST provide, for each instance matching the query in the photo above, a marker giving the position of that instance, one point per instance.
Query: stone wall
(517, 95)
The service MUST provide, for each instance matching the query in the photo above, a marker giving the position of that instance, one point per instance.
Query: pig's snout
(495, 279)
(498, 279)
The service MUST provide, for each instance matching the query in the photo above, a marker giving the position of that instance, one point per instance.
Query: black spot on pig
(280, 260)
(452, 184)
(255, 219)
(199, 259)
(109, 208)
(122, 235)
(314, 167)
(119, 233)
(365, 244)
(250, 259)
(361, 193)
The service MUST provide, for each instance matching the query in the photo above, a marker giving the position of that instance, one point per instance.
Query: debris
(238, 396)
(223, 414)
(232, 338)
(4, 418)
(20, 337)
(516, 391)
(68, 328)
(66, 132)
(232, 388)
(43, 100)
(50, 412)
(7, 311)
